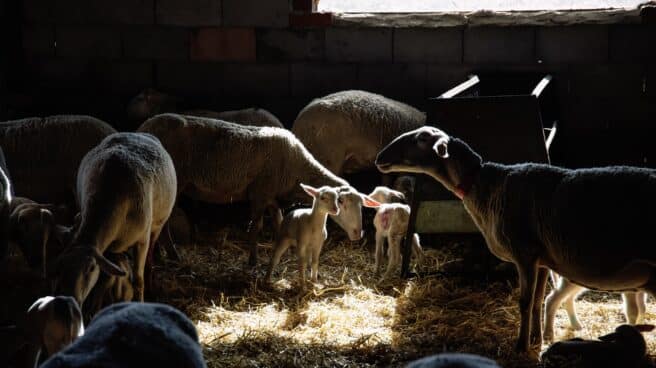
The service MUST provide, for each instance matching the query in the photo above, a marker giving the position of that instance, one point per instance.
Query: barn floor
(350, 319)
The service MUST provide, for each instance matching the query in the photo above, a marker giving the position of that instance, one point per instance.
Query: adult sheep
(592, 226)
(221, 162)
(43, 154)
(346, 130)
(126, 187)
(151, 102)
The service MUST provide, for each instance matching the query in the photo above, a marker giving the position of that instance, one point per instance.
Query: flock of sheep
(86, 205)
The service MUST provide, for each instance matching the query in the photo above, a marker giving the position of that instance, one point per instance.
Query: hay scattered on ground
(350, 319)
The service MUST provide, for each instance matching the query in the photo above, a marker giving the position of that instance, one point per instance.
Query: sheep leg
(393, 254)
(380, 245)
(154, 235)
(417, 251)
(276, 217)
(141, 253)
(253, 232)
(634, 307)
(314, 271)
(302, 255)
(528, 275)
(564, 291)
(281, 246)
(536, 324)
(641, 301)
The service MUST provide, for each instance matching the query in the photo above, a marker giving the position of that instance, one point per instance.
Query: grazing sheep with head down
(540, 217)
(305, 229)
(566, 292)
(151, 102)
(134, 335)
(126, 187)
(221, 162)
(345, 130)
(50, 325)
(43, 154)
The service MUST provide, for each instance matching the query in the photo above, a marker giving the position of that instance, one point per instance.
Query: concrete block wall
(92, 56)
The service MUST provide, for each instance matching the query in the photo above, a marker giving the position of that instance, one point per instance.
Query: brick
(186, 78)
(190, 13)
(631, 43)
(348, 44)
(311, 20)
(620, 80)
(317, 79)
(499, 45)
(256, 13)
(274, 45)
(156, 43)
(94, 42)
(393, 80)
(223, 44)
(104, 12)
(39, 41)
(572, 44)
(258, 80)
(439, 45)
(37, 11)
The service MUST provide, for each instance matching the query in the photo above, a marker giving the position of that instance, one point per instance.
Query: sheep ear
(644, 328)
(441, 147)
(370, 202)
(107, 266)
(310, 190)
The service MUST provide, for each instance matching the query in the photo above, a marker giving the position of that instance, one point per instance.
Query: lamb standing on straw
(306, 230)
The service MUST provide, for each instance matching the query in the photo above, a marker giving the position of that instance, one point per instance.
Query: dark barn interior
(75, 57)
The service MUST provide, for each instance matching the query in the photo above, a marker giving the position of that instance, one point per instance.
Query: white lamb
(306, 230)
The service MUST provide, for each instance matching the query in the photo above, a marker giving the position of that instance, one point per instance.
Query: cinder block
(619, 80)
(499, 45)
(350, 44)
(190, 13)
(256, 13)
(39, 41)
(441, 78)
(572, 44)
(156, 43)
(189, 79)
(393, 80)
(93, 42)
(37, 11)
(121, 77)
(274, 45)
(314, 80)
(632, 43)
(223, 44)
(438, 45)
(258, 80)
(104, 12)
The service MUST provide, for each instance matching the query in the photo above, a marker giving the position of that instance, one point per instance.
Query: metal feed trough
(497, 122)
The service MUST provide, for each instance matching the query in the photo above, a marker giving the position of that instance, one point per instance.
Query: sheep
(391, 223)
(33, 228)
(6, 197)
(453, 360)
(566, 292)
(50, 325)
(134, 335)
(43, 154)
(542, 217)
(126, 187)
(386, 195)
(221, 162)
(111, 289)
(404, 184)
(305, 229)
(151, 102)
(623, 348)
(345, 130)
